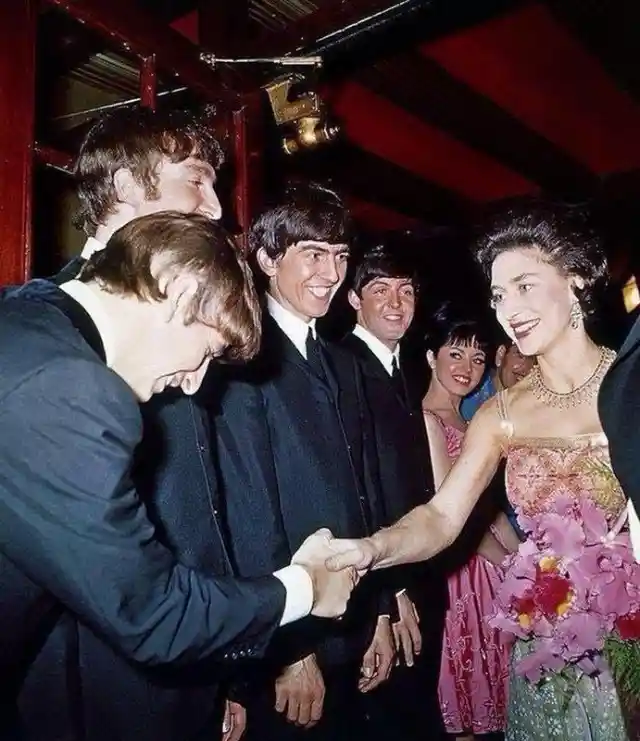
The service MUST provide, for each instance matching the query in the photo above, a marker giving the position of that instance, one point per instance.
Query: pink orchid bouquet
(571, 586)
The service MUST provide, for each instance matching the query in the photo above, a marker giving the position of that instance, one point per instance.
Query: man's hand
(235, 721)
(379, 658)
(360, 555)
(406, 631)
(331, 589)
(300, 692)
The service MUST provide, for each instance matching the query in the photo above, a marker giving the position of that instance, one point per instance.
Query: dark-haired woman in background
(475, 660)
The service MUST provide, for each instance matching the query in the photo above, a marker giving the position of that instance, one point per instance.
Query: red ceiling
(382, 128)
(378, 218)
(530, 66)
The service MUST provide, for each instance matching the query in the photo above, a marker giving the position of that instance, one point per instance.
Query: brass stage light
(300, 114)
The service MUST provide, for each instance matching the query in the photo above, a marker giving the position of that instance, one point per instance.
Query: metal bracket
(306, 61)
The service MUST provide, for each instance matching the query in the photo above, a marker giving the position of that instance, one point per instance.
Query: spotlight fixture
(300, 113)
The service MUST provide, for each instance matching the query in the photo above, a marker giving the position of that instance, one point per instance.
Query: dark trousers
(343, 717)
(406, 707)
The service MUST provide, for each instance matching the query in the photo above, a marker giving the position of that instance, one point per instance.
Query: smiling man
(384, 289)
(166, 295)
(294, 449)
(136, 162)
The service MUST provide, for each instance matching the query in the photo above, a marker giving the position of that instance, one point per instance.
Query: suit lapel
(276, 341)
(374, 368)
(630, 344)
(329, 369)
(70, 271)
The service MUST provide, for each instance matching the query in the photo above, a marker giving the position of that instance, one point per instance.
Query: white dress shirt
(90, 246)
(295, 579)
(91, 304)
(295, 328)
(378, 348)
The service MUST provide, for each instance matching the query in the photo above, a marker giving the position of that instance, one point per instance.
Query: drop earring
(575, 315)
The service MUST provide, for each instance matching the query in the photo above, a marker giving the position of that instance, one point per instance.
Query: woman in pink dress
(475, 661)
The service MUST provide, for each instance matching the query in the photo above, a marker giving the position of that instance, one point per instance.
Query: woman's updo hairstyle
(451, 325)
(561, 237)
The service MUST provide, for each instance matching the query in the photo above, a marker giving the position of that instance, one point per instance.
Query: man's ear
(354, 300)
(128, 189)
(179, 290)
(268, 265)
(500, 353)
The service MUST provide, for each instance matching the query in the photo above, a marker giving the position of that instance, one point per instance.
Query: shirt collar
(81, 293)
(90, 246)
(378, 348)
(295, 328)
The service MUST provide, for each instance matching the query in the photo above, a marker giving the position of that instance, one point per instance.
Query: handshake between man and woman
(335, 566)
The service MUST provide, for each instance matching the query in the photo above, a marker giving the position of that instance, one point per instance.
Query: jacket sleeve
(71, 520)
(248, 476)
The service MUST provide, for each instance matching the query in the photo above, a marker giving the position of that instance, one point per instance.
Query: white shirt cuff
(299, 589)
(634, 530)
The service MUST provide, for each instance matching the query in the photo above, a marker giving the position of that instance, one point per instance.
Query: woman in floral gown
(542, 271)
(475, 657)
(540, 469)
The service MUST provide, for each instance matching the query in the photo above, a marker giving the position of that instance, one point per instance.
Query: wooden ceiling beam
(303, 31)
(426, 90)
(65, 44)
(133, 30)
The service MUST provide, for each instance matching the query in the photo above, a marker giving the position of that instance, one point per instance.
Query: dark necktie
(314, 355)
(396, 378)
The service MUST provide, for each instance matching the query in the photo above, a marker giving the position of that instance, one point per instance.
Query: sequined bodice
(538, 470)
(454, 438)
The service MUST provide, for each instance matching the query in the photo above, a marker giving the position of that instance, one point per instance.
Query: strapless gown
(538, 470)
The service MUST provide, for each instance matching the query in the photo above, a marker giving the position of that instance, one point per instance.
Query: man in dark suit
(618, 403)
(167, 294)
(383, 293)
(134, 162)
(294, 449)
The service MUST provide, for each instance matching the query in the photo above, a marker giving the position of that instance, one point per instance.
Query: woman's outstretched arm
(430, 528)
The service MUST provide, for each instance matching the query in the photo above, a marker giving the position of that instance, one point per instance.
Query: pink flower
(569, 586)
(562, 535)
(594, 521)
(541, 660)
(580, 633)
